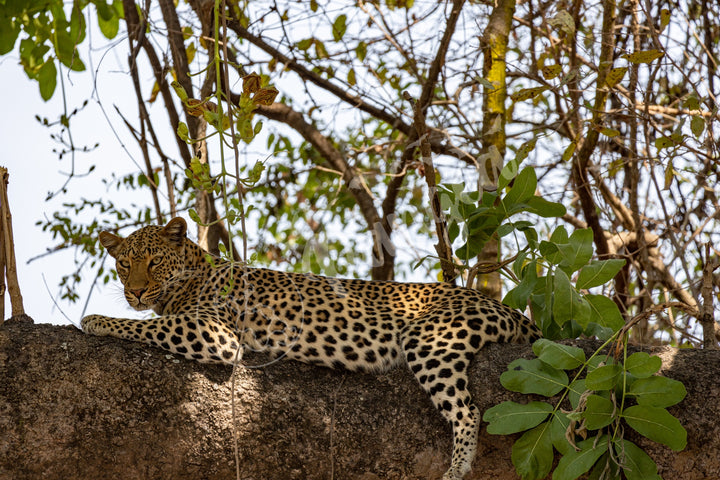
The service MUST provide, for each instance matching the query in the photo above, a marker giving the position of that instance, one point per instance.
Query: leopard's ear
(175, 231)
(111, 242)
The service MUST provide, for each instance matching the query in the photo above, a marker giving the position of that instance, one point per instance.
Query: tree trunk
(494, 45)
(82, 407)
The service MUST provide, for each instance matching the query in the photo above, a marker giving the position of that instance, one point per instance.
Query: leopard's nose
(138, 292)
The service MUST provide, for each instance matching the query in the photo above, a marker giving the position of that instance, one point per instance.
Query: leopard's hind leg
(439, 358)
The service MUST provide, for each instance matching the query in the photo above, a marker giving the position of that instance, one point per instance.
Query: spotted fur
(211, 312)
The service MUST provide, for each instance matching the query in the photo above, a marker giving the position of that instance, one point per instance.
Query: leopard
(213, 310)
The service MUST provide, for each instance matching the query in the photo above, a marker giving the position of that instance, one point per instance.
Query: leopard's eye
(156, 260)
(123, 264)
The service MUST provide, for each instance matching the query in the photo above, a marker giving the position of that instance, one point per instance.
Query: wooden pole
(7, 256)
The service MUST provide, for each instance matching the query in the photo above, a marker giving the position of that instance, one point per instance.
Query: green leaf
(614, 76)
(528, 93)
(47, 79)
(339, 27)
(575, 391)
(545, 208)
(574, 464)
(656, 424)
(599, 272)
(645, 56)
(697, 125)
(9, 31)
(567, 303)
(637, 465)
(532, 453)
(558, 427)
(182, 131)
(533, 376)
(579, 249)
(511, 417)
(305, 44)
(605, 312)
(523, 188)
(320, 49)
(603, 378)
(569, 150)
(599, 412)
(642, 364)
(564, 357)
(361, 50)
(657, 391)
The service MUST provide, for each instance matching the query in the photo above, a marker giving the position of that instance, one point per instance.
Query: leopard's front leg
(195, 338)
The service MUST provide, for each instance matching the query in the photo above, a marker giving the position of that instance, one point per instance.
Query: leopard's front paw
(94, 324)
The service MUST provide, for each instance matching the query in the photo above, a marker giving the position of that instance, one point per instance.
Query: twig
(443, 247)
(7, 254)
(707, 320)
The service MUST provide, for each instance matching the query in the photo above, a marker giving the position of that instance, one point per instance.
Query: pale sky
(35, 170)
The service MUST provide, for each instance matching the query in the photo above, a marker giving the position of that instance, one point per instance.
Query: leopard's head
(148, 260)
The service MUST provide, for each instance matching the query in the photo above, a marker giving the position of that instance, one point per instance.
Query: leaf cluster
(612, 395)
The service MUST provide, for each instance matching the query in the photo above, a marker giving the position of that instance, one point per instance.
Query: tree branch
(353, 181)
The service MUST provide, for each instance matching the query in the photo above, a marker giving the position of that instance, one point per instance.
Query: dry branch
(8, 266)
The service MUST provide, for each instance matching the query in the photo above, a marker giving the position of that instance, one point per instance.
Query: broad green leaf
(47, 79)
(558, 427)
(637, 465)
(109, 23)
(9, 31)
(579, 249)
(545, 208)
(523, 188)
(605, 312)
(564, 357)
(567, 303)
(656, 424)
(559, 235)
(532, 453)
(351, 77)
(657, 391)
(575, 463)
(599, 272)
(511, 417)
(598, 412)
(533, 376)
(339, 27)
(642, 364)
(603, 378)
(575, 390)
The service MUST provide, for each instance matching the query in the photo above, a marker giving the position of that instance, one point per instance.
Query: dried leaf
(551, 71)
(251, 83)
(527, 93)
(265, 96)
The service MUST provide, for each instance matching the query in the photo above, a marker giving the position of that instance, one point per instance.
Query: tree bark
(76, 406)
